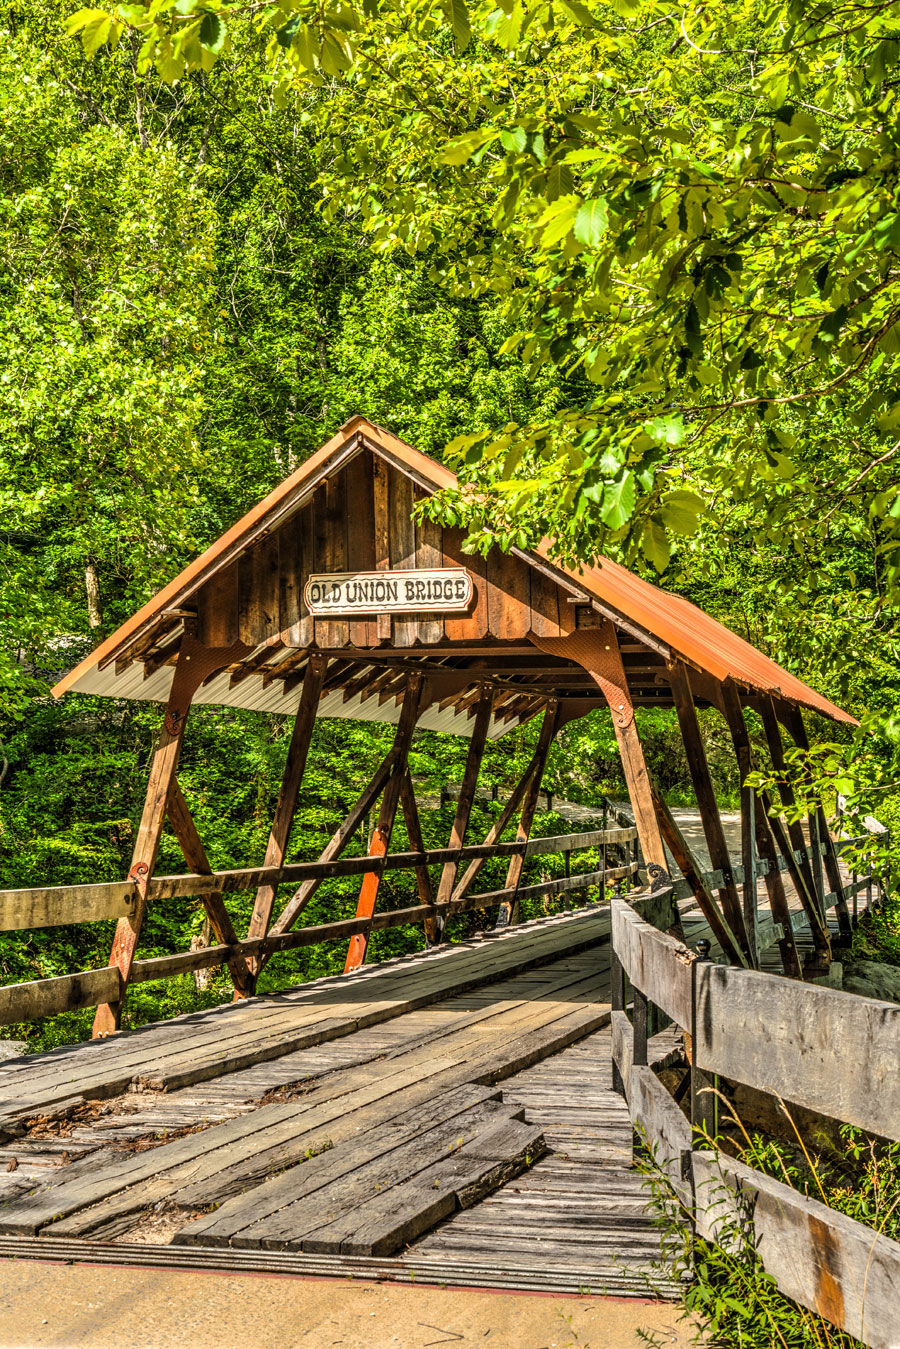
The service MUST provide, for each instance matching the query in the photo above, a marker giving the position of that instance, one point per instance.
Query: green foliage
(729, 1296)
(688, 213)
(859, 1177)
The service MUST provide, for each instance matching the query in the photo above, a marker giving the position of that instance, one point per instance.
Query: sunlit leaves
(591, 221)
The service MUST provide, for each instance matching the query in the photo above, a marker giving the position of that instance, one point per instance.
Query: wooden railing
(70, 904)
(815, 1047)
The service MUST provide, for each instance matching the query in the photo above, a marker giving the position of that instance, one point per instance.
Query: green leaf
(618, 502)
(557, 221)
(515, 140)
(679, 511)
(666, 430)
(458, 16)
(463, 148)
(212, 32)
(591, 222)
(285, 35)
(579, 12)
(654, 544)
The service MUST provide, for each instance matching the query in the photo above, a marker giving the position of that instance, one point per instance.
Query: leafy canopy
(692, 212)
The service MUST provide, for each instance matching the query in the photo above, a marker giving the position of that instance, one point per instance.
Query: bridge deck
(447, 1117)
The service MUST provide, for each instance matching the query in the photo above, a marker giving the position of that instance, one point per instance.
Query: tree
(691, 213)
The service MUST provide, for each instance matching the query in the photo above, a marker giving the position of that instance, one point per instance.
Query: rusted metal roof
(666, 621)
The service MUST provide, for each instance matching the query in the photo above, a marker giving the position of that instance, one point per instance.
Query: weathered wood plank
(403, 547)
(474, 624)
(359, 524)
(846, 1272)
(46, 997)
(58, 905)
(655, 963)
(827, 1050)
(666, 1130)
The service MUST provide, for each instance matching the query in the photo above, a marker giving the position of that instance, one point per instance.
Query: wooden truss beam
(597, 651)
(381, 838)
(196, 663)
(792, 720)
(506, 813)
(704, 791)
(765, 843)
(298, 752)
(184, 829)
(433, 925)
(467, 790)
(692, 870)
(336, 844)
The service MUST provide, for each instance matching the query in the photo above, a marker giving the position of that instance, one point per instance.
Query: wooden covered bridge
(463, 1114)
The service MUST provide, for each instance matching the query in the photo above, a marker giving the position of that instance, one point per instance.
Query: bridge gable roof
(527, 589)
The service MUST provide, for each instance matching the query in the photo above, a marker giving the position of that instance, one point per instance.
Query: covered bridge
(331, 599)
(368, 1125)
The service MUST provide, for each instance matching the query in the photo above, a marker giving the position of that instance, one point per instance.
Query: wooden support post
(751, 878)
(704, 1101)
(433, 926)
(792, 720)
(692, 870)
(218, 917)
(196, 663)
(508, 910)
(467, 790)
(297, 754)
(698, 767)
(381, 838)
(639, 1022)
(617, 1004)
(765, 841)
(597, 651)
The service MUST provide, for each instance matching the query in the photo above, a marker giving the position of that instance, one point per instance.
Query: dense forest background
(192, 299)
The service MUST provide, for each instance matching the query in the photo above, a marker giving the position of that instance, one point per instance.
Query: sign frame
(387, 592)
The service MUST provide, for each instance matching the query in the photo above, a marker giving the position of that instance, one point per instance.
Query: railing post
(617, 1004)
(704, 1101)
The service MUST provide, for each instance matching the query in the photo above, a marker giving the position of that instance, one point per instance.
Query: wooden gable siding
(361, 519)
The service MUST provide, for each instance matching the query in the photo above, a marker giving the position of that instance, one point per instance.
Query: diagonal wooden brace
(196, 663)
(381, 838)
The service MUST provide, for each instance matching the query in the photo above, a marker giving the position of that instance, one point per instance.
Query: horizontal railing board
(53, 906)
(655, 963)
(65, 993)
(58, 906)
(821, 1048)
(164, 967)
(667, 1131)
(843, 1270)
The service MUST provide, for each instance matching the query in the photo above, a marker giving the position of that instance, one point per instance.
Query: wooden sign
(438, 590)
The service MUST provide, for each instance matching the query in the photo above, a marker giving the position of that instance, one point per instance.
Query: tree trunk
(92, 589)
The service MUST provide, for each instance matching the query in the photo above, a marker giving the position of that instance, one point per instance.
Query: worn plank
(405, 631)
(474, 624)
(655, 963)
(339, 1186)
(844, 1271)
(55, 906)
(508, 596)
(827, 1050)
(359, 524)
(47, 997)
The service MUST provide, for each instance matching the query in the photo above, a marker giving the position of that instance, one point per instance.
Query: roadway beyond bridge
(447, 1117)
